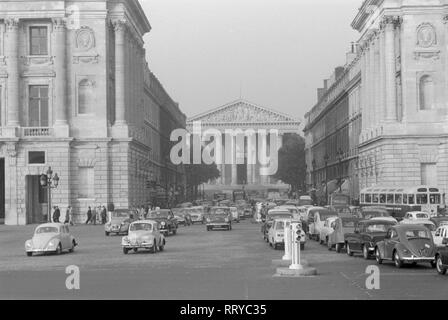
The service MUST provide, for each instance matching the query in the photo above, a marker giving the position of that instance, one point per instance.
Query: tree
(291, 162)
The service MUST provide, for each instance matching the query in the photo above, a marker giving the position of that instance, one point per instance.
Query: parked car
(327, 229)
(120, 221)
(143, 234)
(427, 223)
(316, 219)
(165, 218)
(50, 238)
(442, 257)
(342, 226)
(440, 234)
(406, 243)
(366, 235)
(219, 220)
(235, 214)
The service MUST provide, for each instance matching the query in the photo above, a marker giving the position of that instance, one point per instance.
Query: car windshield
(280, 225)
(220, 211)
(218, 216)
(140, 226)
(47, 230)
(326, 215)
(160, 214)
(377, 227)
(418, 234)
(279, 215)
(120, 214)
(373, 214)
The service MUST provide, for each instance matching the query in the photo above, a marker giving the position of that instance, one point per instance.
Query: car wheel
(397, 261)
(302, 246)
(365, 252)
(175, 231)
(230, 227)
(433, 264)
(320, 241)
(29, 254)
(338, 247)
(59, 249)
(349, 252)
(162, 247)
(154, 247)
(208, 228)
(106, 233)
(329, 246)
(73, 247)
(439, 265)
(317, 237)
(378, 258)
(125, 250)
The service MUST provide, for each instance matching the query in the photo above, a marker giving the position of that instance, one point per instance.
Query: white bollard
(296, 229)
(287, 239)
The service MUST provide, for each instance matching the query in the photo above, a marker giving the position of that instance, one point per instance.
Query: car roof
(420, 221)
(408, 226)
(145, 221)
(50, 224)
(378, 220)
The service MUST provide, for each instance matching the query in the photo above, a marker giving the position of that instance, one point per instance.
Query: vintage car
(293, 210)
(442, 257)
(427, 223)
(376, 212)
(197, 214)
(440, 234)
(342, 226)
(415, 215)
(316, 219)
(440, 220)
(120, 221)
(406, 243)
(327, 229)
(305, 200)
(182, 216)
(50, 238)
(143, 234)
(221, 210)
(366, 235)
(219, 220)
(235, 214)
(165, 218)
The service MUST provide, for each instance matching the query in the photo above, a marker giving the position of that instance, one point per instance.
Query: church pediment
(242, 112)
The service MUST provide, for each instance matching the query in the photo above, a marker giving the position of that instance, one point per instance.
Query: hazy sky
(276, 52)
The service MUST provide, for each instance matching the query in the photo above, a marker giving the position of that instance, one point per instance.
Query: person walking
(56, 214)
(89, 215)
(103, 215)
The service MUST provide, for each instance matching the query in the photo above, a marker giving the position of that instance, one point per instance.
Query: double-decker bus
(400, 200)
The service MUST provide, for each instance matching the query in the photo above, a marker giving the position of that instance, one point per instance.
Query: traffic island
(300, 271)
(286, 263)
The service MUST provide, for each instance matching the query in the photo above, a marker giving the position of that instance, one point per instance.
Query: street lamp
(326, 158)
(313, 168)
(340, 155)
(49, 181)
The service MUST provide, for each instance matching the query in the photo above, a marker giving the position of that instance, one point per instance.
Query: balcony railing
(37, 132)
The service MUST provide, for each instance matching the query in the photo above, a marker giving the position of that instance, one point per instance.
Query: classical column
(382, 81)
(390, 75)
(223, 165)
(12, 67)
(234, 166)
(120, 62)
(363, 104)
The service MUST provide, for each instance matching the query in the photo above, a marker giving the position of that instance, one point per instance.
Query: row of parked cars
(418, 238)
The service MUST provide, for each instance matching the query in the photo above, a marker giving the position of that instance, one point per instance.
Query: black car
(442, 257)
(165, 218)
(440, 219)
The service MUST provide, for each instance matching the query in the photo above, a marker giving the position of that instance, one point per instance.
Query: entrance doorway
(2, 191)
(36, 201)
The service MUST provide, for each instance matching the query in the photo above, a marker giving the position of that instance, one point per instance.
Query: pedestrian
(67, 216)
(103, 215)
(89, 215)
(56, 214)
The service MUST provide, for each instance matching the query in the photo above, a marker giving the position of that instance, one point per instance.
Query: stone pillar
(382, 81)
(363, 105)
(374, 86)
(120, 62)
(12, 67)
(223, 165)
(234, 166)
(61, 124)
(391, 94)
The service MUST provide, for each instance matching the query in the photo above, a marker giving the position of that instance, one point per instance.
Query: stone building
(244, 115)
(402, 66)
(77, 95)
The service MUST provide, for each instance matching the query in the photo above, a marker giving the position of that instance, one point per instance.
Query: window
(368, 198)
(428, 174)
(38, 41)
(398, 198)
(390, 198)
(85, 95)
(434, 198)
(38, 107)
(86, 183)
(422, 199)
(426, 89)
(36, 157)
(405, 199)
(411, 199)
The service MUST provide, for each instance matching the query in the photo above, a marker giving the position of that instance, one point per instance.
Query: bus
(400, 200)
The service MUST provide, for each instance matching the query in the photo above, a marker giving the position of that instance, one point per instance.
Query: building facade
(77, 96)
(400, 104)
(242, 172)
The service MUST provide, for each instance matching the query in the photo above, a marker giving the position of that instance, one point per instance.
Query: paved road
(197, 264)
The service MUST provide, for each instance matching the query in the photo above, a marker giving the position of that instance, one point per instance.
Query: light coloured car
(327, 229)
(143, 234)
(276, 234)
(196, 214)
(50, 238)
(416, 215)
(440, 234)
(293, 210)
(316, 220)
(120, 221)
(235, 214)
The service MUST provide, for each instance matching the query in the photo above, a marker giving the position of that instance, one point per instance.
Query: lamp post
(326, 158)
(313, 168)
(340, 155)
(49, 181)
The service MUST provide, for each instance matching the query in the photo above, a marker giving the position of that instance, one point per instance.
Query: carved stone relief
(426, 35)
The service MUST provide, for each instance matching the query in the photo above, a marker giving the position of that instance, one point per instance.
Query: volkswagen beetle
(50, 238)
(143, 234)
(406, 243)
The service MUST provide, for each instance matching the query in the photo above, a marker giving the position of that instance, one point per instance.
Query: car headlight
(406, 251)
(51, 244)
(163, 223)
(126, 239)
(226, 220)
(208, 220)
(28, 245)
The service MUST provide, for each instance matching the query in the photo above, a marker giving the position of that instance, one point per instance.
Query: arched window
(85, 96)
(426, 89)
